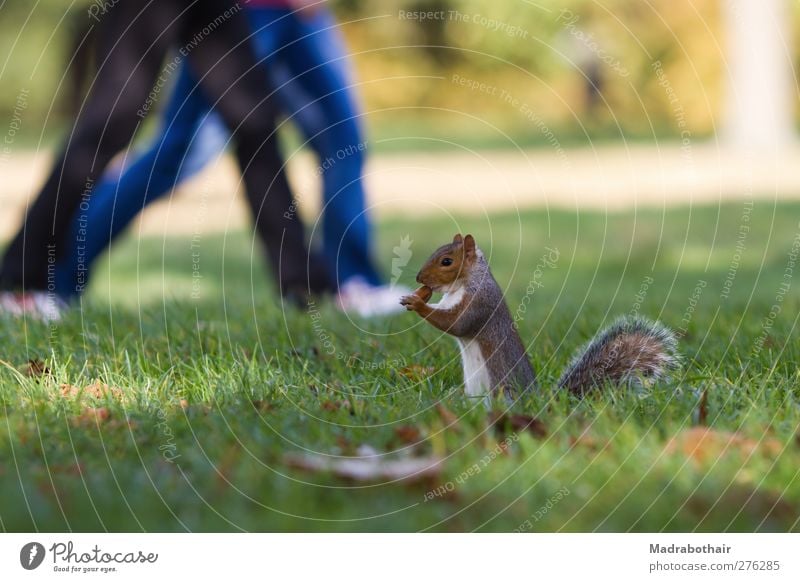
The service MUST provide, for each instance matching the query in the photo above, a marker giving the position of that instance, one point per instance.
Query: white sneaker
(36, 304)
(359, 297)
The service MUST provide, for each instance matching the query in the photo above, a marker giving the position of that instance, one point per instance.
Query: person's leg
(129, 54)
(189, 139)
(235, 84)
(317, 60)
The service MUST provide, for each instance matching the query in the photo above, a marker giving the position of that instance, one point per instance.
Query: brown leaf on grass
(96, 390)
(416, 371)
(36, 369)
(517, 423)
(449, 419)
(702, 409)
(408, 434)
(69, 391)
(702, 444)
(91, 417)
(447, 415)
(332, 405)
(372, 468)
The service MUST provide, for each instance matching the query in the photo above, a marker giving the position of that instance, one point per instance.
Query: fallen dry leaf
(370, 468)
(69, 391)
(450, 419)
(416, 371)
(703, 444)
(702, 409)
(96, 390)
(36, 369)
(335, 404)
(518, 423)
(408, 434)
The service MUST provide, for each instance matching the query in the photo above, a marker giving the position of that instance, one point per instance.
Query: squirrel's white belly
(450, 299)
(476, 376)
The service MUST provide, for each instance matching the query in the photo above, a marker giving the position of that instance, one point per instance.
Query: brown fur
(462, 253)
(481, 315)
(631, 349)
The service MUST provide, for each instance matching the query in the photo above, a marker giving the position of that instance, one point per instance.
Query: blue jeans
(308, 66)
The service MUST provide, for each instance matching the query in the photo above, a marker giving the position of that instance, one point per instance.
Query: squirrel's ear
(469, 244)
(457, 240)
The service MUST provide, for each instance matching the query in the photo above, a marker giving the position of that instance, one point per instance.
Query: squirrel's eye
(446, 262)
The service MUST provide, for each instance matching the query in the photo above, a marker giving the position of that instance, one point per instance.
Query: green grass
(260, 383)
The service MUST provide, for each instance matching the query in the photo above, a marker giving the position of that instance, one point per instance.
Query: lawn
(172, 403)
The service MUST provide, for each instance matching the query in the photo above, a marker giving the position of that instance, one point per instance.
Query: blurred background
(544, 53)
(476, 106)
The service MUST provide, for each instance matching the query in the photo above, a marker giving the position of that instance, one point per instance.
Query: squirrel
(474, 311)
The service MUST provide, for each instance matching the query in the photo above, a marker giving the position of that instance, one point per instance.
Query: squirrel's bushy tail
(630, 349)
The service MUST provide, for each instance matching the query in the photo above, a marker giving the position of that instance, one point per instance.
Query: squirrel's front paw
(412, 302)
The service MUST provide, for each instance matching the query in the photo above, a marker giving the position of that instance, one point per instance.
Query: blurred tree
(433, 32)
(760, 92)
(583, 65)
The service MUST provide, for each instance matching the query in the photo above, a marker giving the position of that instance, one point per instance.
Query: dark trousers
(134, 38)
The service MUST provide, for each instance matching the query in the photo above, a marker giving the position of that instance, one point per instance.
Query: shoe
(359, 297)
(41, 305)
(297, 297)
(299, 286)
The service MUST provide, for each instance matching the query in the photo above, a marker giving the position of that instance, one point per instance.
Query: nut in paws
(412, 302)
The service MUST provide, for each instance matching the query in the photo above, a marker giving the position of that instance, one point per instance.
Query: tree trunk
(761, 90)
